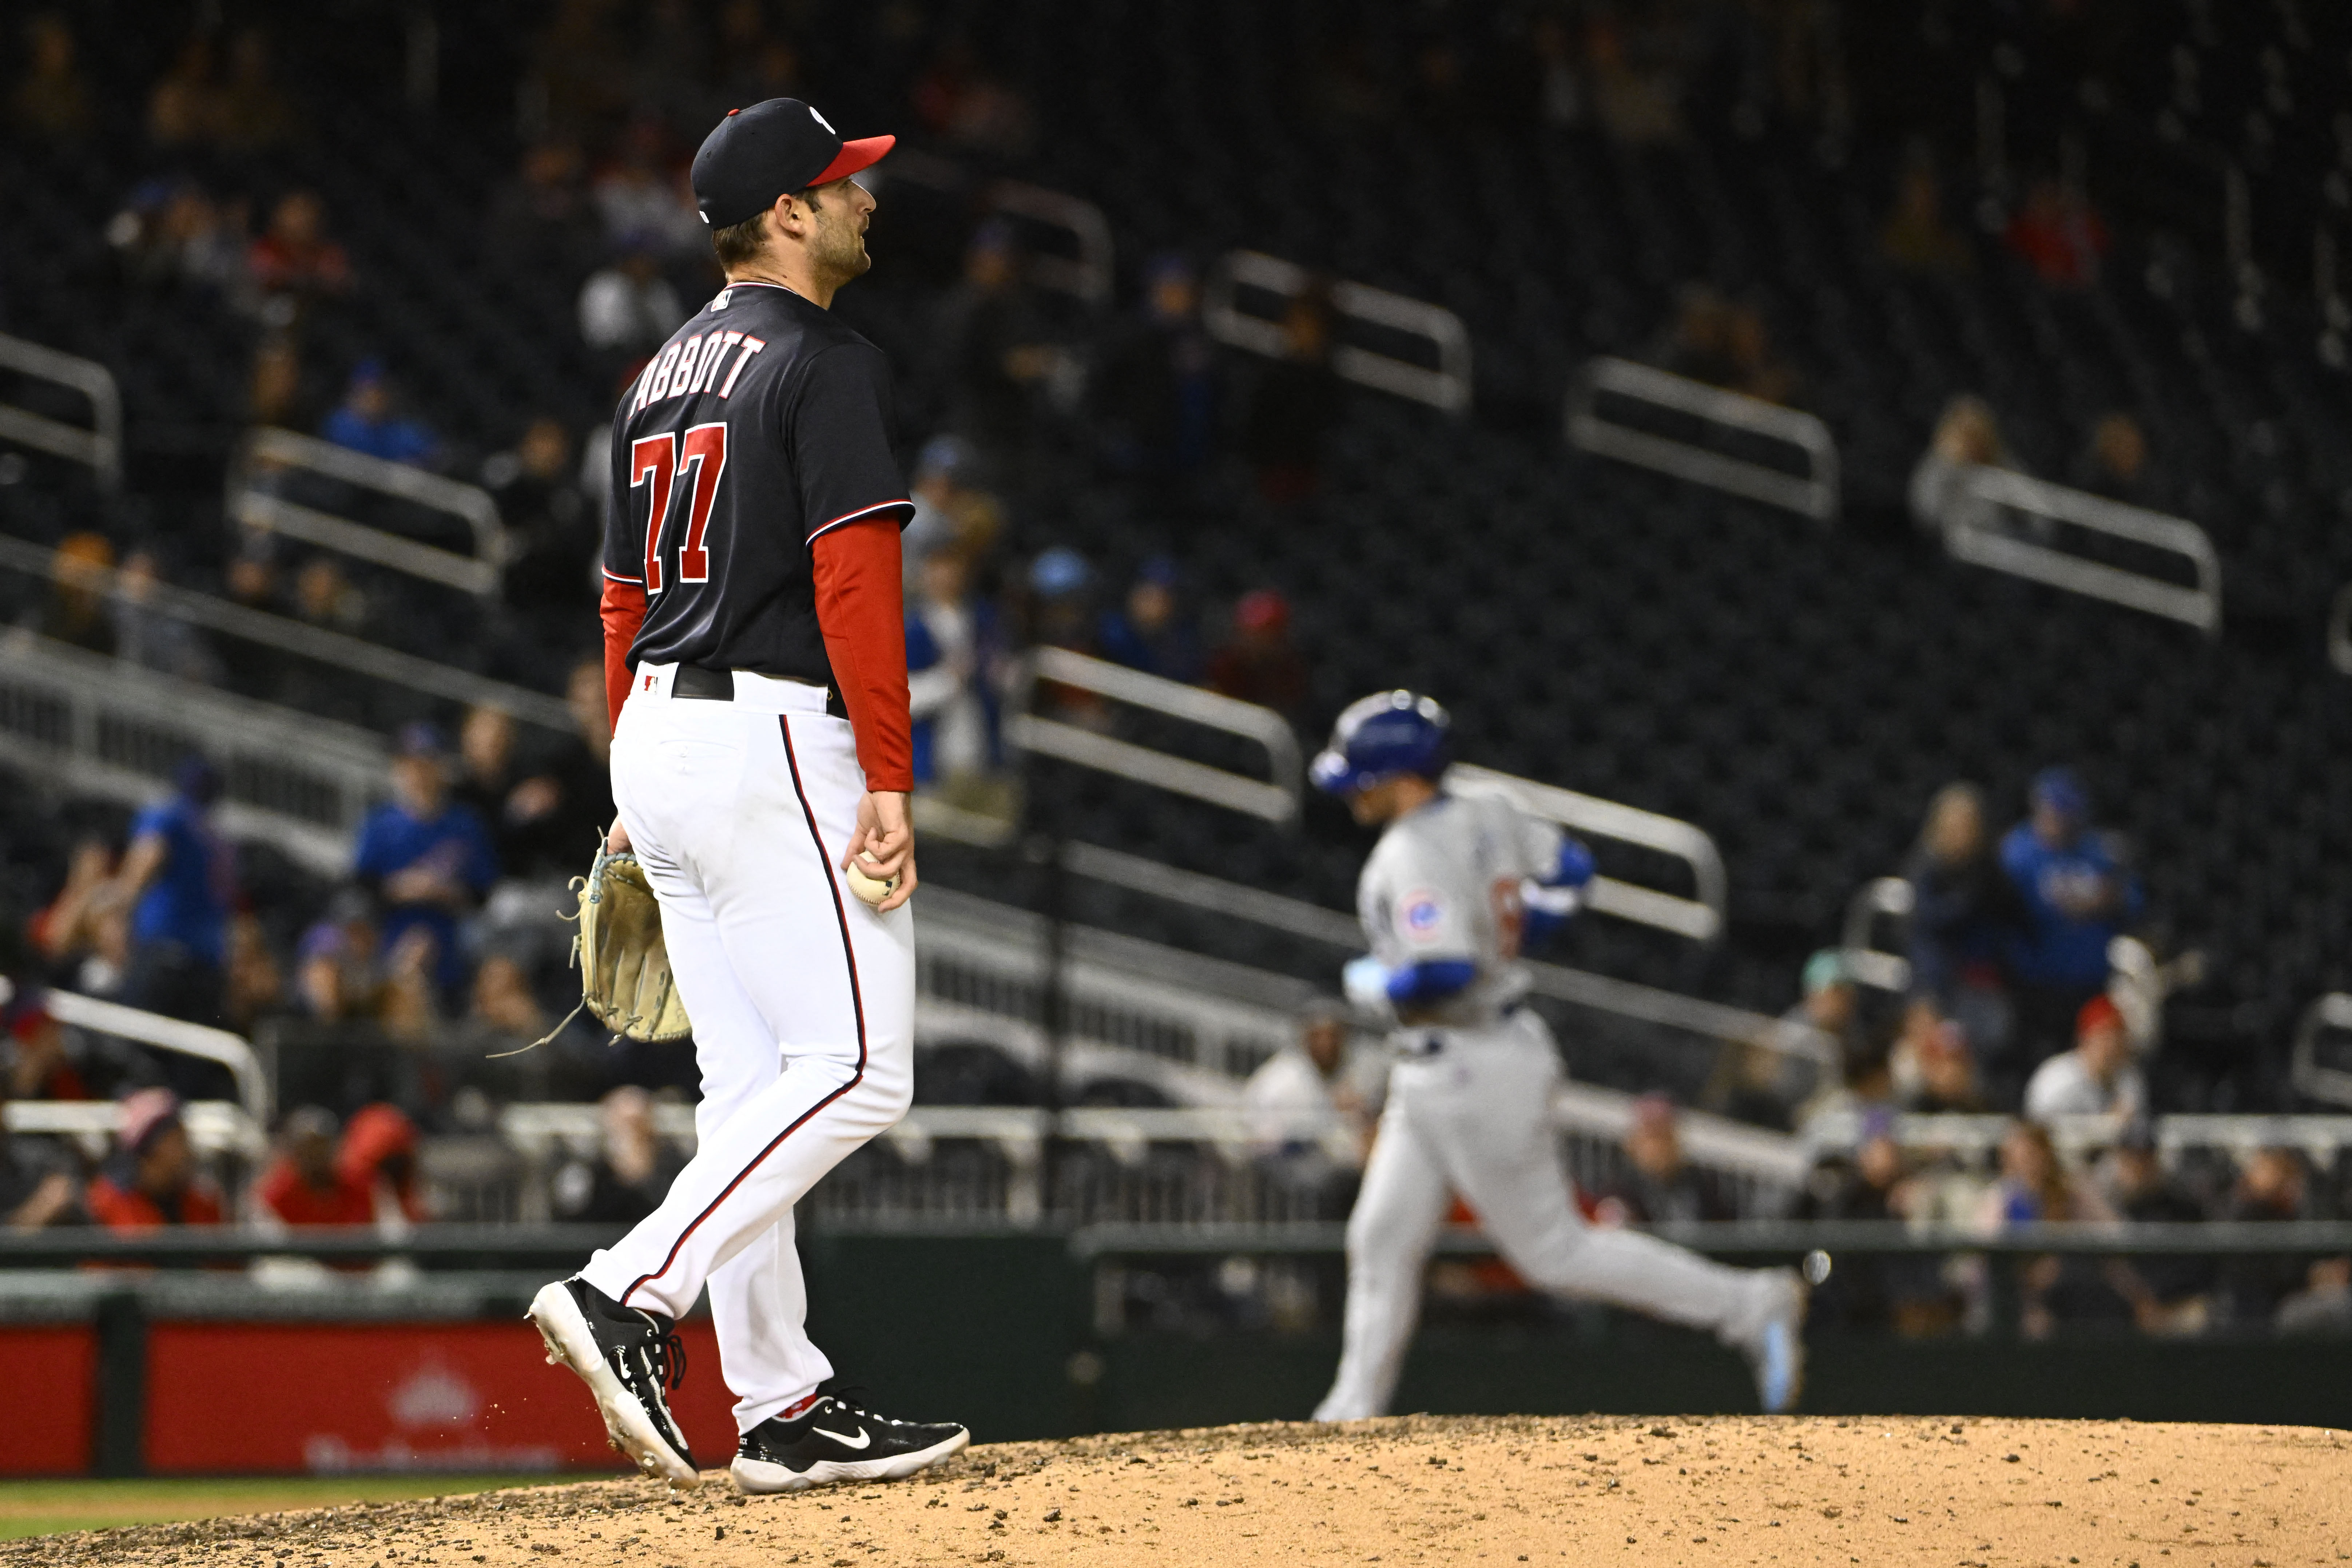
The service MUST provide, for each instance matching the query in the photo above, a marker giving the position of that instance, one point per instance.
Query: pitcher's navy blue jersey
(764, 422)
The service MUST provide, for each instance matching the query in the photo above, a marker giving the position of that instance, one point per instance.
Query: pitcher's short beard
(840, 254)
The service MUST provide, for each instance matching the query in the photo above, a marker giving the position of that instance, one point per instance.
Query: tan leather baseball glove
(624, 979)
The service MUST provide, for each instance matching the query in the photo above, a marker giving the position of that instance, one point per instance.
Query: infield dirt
(1406, 1491)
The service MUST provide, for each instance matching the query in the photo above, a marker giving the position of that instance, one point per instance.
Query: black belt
(709, 685)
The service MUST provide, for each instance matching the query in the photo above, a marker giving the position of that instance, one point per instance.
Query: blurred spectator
(543, 817)
(1755, 1082)
(505, 1007)
(1659, 1187)
(2077, 894)
(1724, 343)
(1637, 101)
(1059, 582)
(581, 66)
(1155, 395)
(586, 771)
(2058, 234)
(2324, 1306)
(278, 394)
(178, 879)
(337, 977)
(1310, 1104)
(185, 106)
(2096, 1078)
(1831, 1002)
(39, 1067)
(75, 611)
(1258, 663)
(38, 1184)
(1934, 1071)
(1915, 237)
(2272, 1188)
(325, 596)
(151, 1179)
(960, 101)
(1966, 438)
(993, 350)
(1963, 912)
(2035, 1188)
(1149, 632)
(302, 1185)
(367, 421)
(168, 231)
(1908, 1295)
(952, 510)
(427, 859)
(541, 222)
(631, 1173)
(294, 258)
(627, 308)
(45, 1061)
(2170, 1293)
(1295, 403)
(378, 1154)
(553, 532)
(254, 114)
(51, 100)
(79, 932)
(952, 640)
(255, 984)
(638, 199)
(2117, 464)
(152, 637)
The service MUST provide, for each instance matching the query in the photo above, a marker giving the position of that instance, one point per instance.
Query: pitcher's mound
(1652, 1491)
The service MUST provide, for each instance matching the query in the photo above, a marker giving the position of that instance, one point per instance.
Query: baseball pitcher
(755, 655)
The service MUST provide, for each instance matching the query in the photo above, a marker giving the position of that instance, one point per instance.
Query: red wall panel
(283, 1397)
(49, 1375)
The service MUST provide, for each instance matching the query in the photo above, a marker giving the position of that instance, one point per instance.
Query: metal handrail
(214, 1126)
(1700, 917)
(174, 1035)
(1815, 495)
(1276, 801)
(116, 730)
(289, 636)
(1970, 534)
(2333, 1085)
(477, 573)
(1448, 386)
(1088, 276)
(101, 446)
(1867, 963)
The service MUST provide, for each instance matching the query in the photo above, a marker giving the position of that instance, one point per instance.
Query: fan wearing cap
(151, 1179)
(756, 664)
(426, 857)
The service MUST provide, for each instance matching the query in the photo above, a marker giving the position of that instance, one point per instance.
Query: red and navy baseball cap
(756, 154)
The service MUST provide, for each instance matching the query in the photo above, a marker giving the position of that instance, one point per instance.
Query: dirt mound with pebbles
(1410, 1490)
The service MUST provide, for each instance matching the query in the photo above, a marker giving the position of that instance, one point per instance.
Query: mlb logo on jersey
(1423, 911)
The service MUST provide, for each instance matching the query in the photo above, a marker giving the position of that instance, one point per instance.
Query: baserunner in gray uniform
(1454, 887)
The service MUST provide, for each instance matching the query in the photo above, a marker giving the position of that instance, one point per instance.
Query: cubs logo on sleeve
(1420, 914)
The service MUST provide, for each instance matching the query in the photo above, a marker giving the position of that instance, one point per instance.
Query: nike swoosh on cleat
(861, 1440)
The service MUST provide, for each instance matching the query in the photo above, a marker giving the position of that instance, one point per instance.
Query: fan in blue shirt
(2078, 893)
(426, 858)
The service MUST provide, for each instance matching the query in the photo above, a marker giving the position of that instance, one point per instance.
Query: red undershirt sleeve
(861, 610)
(624, 611)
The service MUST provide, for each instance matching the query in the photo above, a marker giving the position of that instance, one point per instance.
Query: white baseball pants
(803, 1000)
(1475, 1120)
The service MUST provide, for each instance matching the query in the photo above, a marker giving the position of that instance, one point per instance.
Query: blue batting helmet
(1380, 736)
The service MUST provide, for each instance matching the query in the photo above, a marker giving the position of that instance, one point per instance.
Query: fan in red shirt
(304, 1185)
(379, 1157)
(151, 1179)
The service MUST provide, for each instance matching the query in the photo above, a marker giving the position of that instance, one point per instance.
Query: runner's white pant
(803, 1000)
(1475, 1119)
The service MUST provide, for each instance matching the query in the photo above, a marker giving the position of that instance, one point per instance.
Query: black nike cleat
(627, 1358)
(837, 1440)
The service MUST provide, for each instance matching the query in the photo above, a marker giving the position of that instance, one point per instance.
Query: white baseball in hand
(870, 890)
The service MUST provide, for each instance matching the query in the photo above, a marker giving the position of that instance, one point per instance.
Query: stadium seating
(1797, 690)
